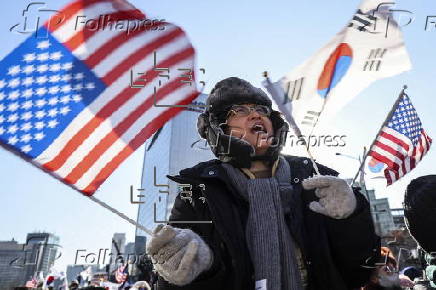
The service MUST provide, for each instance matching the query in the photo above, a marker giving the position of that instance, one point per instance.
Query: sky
(231, 38)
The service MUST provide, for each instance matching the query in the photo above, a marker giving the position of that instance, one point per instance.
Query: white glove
(140, 285)
(179, 255)
(336, 198)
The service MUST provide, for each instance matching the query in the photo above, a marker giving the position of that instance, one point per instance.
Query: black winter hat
(236, 91)
(420, 211)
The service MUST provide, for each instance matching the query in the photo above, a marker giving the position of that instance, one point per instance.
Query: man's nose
(254, 114)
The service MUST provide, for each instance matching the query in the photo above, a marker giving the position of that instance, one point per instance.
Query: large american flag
(66, 101)
(402, 142)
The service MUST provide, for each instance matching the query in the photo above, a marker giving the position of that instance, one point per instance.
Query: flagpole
(120, 214)
(391, 112)
(297, 131)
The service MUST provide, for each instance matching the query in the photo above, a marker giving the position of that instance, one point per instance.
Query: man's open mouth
(258, 128)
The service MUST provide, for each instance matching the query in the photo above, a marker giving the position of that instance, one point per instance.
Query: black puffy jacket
(339, 254)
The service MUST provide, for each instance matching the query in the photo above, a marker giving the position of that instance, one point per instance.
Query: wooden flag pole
(297, 131)
(391, 112)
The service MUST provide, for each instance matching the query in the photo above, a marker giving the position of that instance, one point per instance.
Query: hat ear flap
(203, 124)
(280, 126)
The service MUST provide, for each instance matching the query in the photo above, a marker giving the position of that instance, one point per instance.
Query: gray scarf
(271, 246)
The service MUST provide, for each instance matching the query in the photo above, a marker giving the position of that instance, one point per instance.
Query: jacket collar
(203, 171)
(212, 169)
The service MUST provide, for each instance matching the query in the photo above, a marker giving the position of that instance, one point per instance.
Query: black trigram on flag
(373, 61)
(310, 118)
(362, 21)
(293, 90)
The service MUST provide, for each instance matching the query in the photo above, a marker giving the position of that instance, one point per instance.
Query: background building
(382, 216)
(174, 147)
(20, 262)
(11, 272)
(117, 248)
(380, 211)
(140, 242)
(398, 216)
(44, 248)
(129, 249)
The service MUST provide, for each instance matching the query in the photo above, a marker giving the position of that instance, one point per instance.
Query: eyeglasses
(243, 111)
(389, 269)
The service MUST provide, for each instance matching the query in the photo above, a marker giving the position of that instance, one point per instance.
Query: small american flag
(402, 142)
(32, 283)
(67, 103)
(121, 274)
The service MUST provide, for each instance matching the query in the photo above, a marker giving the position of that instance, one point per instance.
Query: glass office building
(176, 146)
(20, 262)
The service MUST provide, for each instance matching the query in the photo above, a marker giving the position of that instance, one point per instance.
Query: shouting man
(275, 225)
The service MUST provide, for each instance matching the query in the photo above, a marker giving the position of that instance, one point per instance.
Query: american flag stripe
(402, 142)
(390, 176)
(425, 147)
(106, 144)
(97, 42)
(105, 141)
(400, 164)
(422, 149)
(110, 59)
(115, 104)
(389, 146)
(381, 156)
(143, 52)
(389, 135)
(70, 11)
(84, 35)
(382, 153)
(94, 53)
(90, 176)
(91, 9)
(74, 155)
(134, 144)
(68, 28)
(390, 153)
(99, 158)
(110, 127)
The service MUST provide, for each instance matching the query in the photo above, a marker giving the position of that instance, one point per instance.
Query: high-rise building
(380, 211)
(175, 146)
(129, 250)
(398, 216)
(381, 214)
(20, 262)
(44, 248)
(140, 242)
(117, 250)
(12, 267)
